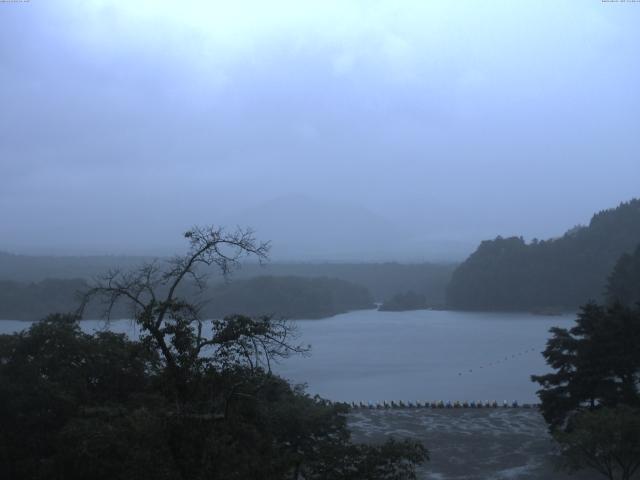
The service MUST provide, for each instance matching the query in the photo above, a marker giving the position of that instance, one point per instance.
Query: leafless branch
(174, 324)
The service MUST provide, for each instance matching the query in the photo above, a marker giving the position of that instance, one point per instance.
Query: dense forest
(100, 406)
(624, 281)
(591, 400)
(381, 279)
(405, 301)
(288, 297)
(33, 301)
(560, 273)
(35, 268)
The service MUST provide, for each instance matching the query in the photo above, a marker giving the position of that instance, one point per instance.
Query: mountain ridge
(560, 273)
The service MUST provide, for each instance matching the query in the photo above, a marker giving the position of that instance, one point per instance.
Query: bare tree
(171, 324)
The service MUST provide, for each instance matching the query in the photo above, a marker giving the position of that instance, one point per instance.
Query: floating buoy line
(386, 405)
(497, 362)
(440, 404)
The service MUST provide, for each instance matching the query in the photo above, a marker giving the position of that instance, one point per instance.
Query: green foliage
(405, 301)
(32, 301)
(606, 440)
(190, 400)
(99, 406)
(592, 402)
(509, 274)
(624, 281)
(49, 376)
(289, 297)
(381, 279)
(596, 363)
(36, 268)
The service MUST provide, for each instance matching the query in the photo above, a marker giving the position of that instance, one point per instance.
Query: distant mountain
(561, 273)
(303, 228)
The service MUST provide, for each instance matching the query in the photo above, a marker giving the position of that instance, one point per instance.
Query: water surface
(423, 355)
(420, 355)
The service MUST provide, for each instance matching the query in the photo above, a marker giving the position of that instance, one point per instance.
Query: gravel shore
(471, 444)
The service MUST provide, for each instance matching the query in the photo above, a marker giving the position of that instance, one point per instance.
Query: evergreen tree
(624, 281)
(554, 274)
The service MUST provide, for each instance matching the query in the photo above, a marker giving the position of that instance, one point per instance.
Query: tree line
(556, 274)
(289, 297)
(383, 280)
(591, 401)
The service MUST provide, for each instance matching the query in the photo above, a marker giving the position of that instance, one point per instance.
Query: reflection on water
(420, 355)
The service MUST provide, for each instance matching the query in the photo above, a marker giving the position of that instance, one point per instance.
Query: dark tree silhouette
(192, 399)
(592, 400)
(596, 363)
(605, 440)
(550, 275)
(172, 324)
(624, 281)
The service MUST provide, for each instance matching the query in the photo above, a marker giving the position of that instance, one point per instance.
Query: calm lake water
(419, 355)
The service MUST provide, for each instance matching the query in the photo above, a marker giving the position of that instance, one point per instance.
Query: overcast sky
(122, 123)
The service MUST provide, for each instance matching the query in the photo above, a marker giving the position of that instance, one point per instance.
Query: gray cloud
(124, 123)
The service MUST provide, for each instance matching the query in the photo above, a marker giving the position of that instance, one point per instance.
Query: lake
(420, 355)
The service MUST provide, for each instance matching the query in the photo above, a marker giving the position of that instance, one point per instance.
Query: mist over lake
(306, 218)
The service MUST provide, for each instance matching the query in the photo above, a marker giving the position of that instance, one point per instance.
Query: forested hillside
(405, 301)
(34, 301)
(35, 268)
(561, 273)
(624, 281)
(383, 280)
(288, 297)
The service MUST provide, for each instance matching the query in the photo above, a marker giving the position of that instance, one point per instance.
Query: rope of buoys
(491, 364)
(440, 404)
